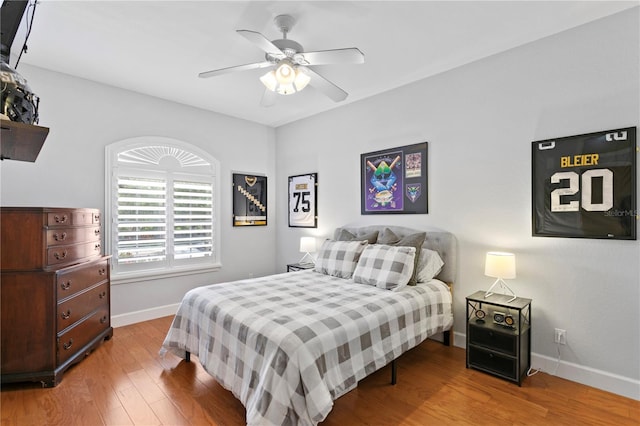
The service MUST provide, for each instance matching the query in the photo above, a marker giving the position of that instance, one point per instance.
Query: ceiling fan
(291, 65)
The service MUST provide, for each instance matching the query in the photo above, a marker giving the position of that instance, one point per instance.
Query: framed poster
(394, 180)
(303, 201)
(585, 186)
(249, 200)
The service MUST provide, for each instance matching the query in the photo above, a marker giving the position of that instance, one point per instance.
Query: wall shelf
(21, 141)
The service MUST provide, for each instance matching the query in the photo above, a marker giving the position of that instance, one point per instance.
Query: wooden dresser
(54, 291)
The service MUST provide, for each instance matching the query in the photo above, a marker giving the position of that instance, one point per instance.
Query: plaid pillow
(413, 240)
(339, 258)
(385, 266)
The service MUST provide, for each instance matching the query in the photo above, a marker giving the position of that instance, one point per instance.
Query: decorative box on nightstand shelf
(291, 267)
(499, 335)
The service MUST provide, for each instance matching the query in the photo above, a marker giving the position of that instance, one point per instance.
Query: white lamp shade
(302, 79)
(270, 81)
(500, 265)
(307, 244)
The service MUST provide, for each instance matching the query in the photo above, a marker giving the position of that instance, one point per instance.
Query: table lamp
(501, 266)
(307, 246)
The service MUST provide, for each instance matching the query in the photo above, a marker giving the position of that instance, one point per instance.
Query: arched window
(161, 208)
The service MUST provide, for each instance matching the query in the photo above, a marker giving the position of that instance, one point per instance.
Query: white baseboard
(599, 379)
(143, 315)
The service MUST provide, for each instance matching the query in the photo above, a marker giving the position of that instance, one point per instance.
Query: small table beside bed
(288, 345)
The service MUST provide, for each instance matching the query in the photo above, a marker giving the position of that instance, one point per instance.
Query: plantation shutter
(142, 220)
(193, 219)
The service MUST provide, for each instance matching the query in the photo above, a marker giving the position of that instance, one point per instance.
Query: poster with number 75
(303, 201)
(585, 186)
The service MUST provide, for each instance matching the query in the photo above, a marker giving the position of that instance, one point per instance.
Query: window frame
(207, 170)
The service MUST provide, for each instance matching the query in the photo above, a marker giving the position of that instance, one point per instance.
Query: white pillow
(429, 265)
(339, 258)
(387, 267)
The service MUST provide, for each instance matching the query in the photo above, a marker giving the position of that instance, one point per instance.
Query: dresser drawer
(493, 362)
(76, 217)
(82, 304)
(62, 236)
(65, 254)
(489, 336)
(80, 334)
(70, 281)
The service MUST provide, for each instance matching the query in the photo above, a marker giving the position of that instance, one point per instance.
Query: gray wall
(85, 116)
(480, 120)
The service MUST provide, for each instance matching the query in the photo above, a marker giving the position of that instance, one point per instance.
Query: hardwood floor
(125, 382)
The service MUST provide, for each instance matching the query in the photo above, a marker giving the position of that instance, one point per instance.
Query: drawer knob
(61, 219)
(59, 256)
(67, 346)
(65, 286)
(60, 237)
(102, 295)
(97, 232)
(102, 271)
(96, 218)
(103, 319)
(97, 247)
(66, 315)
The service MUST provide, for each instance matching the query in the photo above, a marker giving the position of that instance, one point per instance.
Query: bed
(288, 345)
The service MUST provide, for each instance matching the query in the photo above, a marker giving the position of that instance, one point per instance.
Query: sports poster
(249, 200)
(585, 186)
(303, 201)
(394, 180)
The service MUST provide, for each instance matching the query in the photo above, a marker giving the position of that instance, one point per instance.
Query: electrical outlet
(560, 336)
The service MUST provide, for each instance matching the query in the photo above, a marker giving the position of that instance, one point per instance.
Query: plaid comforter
(287, 345)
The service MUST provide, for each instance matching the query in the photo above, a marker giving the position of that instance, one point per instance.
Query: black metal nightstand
(499, 335)
(299, 266)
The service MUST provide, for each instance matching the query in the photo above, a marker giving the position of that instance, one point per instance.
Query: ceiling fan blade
(262, 42)
(228, 70)
(351, 55)
(326, 87)
(268, 98)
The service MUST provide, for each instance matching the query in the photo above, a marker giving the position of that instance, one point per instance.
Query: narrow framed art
(249, 200)
(394, 180)
(303, 201)
(584, 186)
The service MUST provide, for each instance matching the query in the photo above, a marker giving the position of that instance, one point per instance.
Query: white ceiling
(159, 47)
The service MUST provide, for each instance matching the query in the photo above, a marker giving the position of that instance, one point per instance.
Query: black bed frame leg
(394, 372)
(187, 356)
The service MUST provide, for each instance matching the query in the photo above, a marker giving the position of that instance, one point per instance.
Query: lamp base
(311, 260)
(504, 286)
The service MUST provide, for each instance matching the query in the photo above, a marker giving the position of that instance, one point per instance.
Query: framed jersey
(303, 201)
(249, 200)
(585, 186)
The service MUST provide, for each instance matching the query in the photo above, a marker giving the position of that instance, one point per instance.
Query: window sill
(139, 276)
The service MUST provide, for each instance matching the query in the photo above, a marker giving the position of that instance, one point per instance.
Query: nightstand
(291, 267)
(499, 335)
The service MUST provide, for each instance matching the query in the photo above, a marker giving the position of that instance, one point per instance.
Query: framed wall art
(394, 180)
(249, 200)
(584, 186)
(303, 201)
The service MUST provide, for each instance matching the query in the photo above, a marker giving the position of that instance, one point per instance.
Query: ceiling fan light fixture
(286, 89)
(302, 79)
(269, 80)
(286, 79)
(285, 73)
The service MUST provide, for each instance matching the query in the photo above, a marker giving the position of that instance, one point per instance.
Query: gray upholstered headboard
(441, 241)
